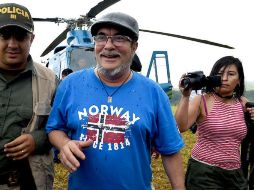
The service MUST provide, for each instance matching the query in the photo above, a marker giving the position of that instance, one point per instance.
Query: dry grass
(61, 177)
(160, 180)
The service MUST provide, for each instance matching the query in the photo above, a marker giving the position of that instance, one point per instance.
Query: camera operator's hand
(185, 91)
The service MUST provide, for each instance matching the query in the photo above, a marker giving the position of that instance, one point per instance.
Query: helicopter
(79, 51)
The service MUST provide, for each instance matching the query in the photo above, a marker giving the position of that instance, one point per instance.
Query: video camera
(197, 80)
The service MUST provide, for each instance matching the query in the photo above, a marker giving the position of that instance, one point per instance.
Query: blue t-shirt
(123, 131)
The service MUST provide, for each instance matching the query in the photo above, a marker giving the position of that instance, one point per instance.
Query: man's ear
(32, 38)
(134, 46)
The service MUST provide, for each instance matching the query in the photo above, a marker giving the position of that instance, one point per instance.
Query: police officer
(26, 90)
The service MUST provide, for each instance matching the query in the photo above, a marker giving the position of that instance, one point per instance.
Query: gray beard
(115, 73)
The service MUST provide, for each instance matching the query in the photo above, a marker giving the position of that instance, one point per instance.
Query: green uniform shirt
(15, 109)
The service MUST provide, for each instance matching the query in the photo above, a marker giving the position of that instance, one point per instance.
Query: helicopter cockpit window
(57, 63)
(82, 58)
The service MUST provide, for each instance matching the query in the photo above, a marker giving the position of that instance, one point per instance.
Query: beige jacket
(44, 84)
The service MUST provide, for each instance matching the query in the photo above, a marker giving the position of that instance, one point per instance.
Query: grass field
(160, 180)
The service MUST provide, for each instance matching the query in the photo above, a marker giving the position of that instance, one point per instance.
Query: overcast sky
(228, 22)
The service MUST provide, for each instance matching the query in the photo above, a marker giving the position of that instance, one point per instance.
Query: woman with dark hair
(221, 65)
(219, 114)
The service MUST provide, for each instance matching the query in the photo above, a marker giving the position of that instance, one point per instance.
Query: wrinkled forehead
(108, 30)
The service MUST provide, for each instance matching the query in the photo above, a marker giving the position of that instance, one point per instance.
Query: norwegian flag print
(106, 128)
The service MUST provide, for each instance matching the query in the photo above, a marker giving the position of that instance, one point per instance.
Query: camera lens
(185, 83)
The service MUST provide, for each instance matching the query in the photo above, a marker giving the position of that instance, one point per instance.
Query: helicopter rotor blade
(100, 7)
(91, 14)
(56, 42)
(188, 38)
(46, 19)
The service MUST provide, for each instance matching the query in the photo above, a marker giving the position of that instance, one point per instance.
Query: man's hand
(20, 148)
(71, 151)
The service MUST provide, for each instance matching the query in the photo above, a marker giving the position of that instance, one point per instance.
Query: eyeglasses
(117, 40)
(19, 35)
